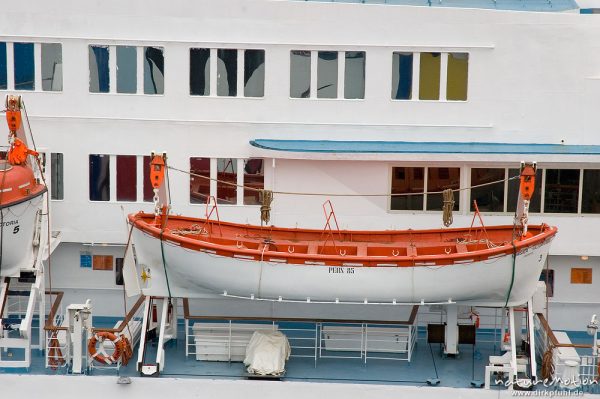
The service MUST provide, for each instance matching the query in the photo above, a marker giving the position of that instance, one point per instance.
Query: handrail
(552, 337)
(127, 319)
(49, 326)
(188, 316)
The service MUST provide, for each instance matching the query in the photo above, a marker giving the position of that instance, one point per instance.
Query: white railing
(227, 340)
(589, 374)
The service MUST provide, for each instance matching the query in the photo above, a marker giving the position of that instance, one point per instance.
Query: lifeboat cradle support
(19, 317)
(160, 316)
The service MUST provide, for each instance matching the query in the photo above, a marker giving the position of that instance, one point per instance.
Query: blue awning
(409, 147)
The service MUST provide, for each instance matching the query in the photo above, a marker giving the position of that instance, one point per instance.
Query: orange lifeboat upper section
(17, 184)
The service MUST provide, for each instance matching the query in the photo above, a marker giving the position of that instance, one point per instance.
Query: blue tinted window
(402, 72)
(99, 177)
(24, 66)
(3, 66)
(99, 76)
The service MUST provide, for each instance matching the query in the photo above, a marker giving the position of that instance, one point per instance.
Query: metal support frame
(531, 332)
(513, 346)
(167, 327)
(451, 336)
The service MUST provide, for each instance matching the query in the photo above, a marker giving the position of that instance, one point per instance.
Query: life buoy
(101, 337)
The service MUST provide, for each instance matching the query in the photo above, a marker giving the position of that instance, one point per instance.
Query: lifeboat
(21, 198)
(479, 266)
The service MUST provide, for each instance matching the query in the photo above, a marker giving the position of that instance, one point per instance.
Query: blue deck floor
(456, 372)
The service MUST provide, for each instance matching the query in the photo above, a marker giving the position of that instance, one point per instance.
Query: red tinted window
(126, 178)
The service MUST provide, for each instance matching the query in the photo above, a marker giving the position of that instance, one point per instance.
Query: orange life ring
(101, 337)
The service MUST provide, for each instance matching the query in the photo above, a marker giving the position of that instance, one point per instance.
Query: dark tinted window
(99, 177)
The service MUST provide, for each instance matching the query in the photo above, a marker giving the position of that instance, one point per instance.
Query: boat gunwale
(139, 220)
(40, 190)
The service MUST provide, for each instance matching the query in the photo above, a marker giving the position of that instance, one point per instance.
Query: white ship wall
(533, 78)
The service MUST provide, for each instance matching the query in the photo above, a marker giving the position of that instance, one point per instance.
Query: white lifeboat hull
(192, 273)
(18, 223)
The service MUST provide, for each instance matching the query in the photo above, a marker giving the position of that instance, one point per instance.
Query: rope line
(512, 278)
(448, 207)
(339, 194)
(162, 230)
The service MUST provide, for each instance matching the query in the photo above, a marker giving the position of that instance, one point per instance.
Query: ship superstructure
(346, 102)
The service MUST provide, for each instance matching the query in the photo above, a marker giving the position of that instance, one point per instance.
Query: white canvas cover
(267, 352)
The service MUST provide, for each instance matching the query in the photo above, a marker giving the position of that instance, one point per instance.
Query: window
(227, 176)
(254, 73)
(327, 68)
(513, 191)
(24, 66)
(126, 178)
(300, 74)
(327, 74)
(562, 191)
(254, 177)
(154, 70)
(119, 271)
(489, 198)
(547, 276)
(56, 179)
(229, 63)
(412, 181)
(590, 202)
(3, 72)
(581, 275)
(151, 69)
(407, 181)
(402, 76)
(428, 79)
(99, 73)
(25, 72)
(354, 75)
(226, 189)
(99, 177)
(199, 187)
(457, 78)
(429, 76)
(126, 69)
(52, 67)
(440, 179)
(226, 72)
(200, 71)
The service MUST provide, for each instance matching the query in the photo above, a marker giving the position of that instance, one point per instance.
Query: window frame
(139, 72)
(425, 187)
(466, 200)
(443, 74)
(314, 74)
(239, 172)
(212, 63)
